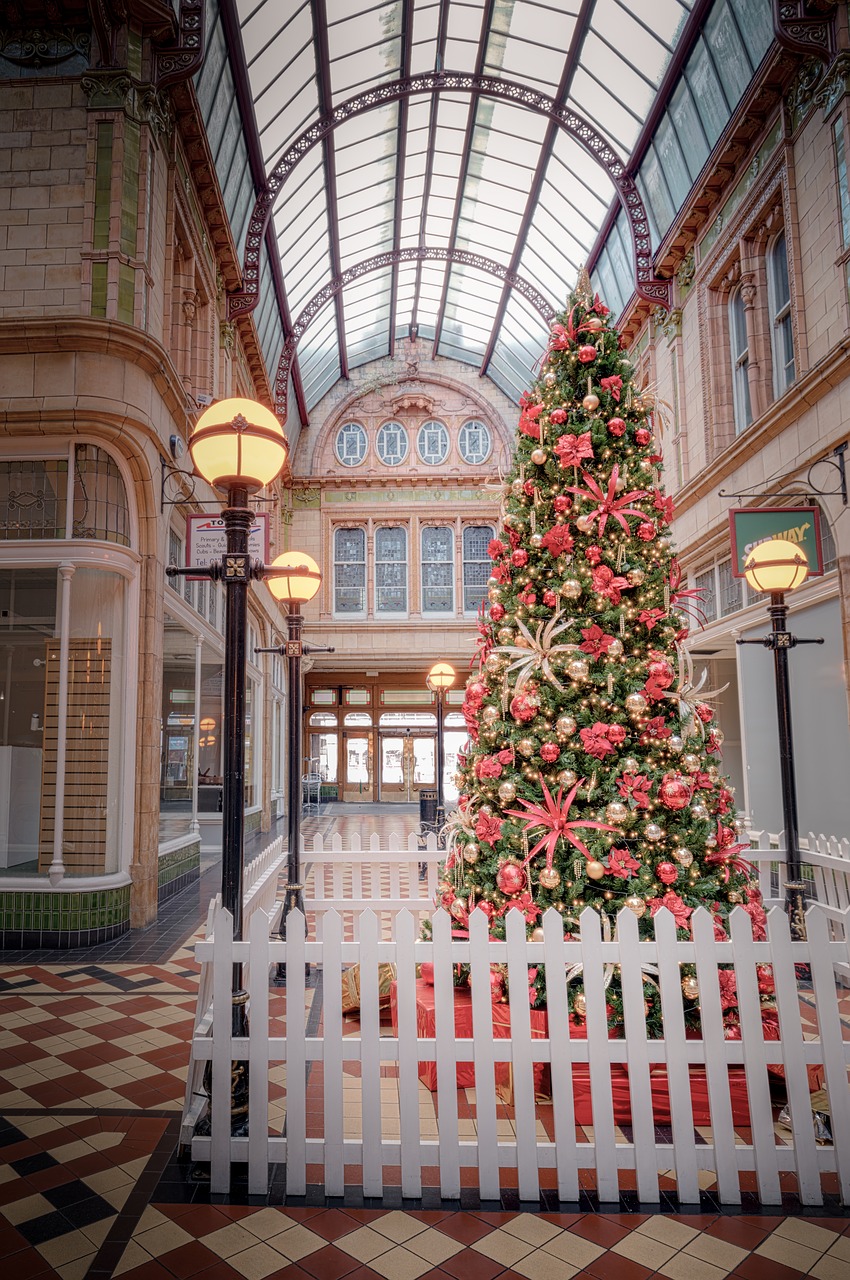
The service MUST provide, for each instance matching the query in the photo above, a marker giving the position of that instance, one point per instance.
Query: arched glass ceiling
(449, 171)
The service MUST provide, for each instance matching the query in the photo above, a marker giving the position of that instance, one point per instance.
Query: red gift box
(425, 1026)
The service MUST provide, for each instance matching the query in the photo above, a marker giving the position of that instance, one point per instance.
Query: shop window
(730, 593)
(392, 444)
(437, 570)
(476, 565)
(432, 443)
(175, 556)
(350, 571)
(707, 600)
(351, 444)
(740, 362)
(474, 442)
(781, 329)
(33, 497)
(391, 570)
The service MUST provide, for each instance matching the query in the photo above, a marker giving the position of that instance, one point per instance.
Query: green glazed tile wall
(37, 910)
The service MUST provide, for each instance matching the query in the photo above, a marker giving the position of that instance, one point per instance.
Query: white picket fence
(644, 1149)
(358, 875)
(826, 870)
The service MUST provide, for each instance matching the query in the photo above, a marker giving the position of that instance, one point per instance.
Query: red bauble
(616, 734)
(646, 531)
(476, 692)
(487, 907)
(562, 502)
(667, 872)
(497, 612)
(674, 791)
(587, 353)
(661, 671)
(519, 557)
(705, 713)
(497, 985)
(511, 878)
(616, 426)
(550, 599)
(524, 707)
(550, 752)
(643, 436)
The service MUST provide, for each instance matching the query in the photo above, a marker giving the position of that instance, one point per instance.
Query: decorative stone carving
(668, 322)
(801, 31)
(42, 49)
(118, 91)
(190, 306)
(835, 84)
(801, 95)
(227, 333)
(749, 292)
(687, 270)
(413, 402)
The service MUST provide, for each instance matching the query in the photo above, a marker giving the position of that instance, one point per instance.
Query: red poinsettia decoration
(674, 904)
(622, 864)
(608, 504)
(635, 786)
(529, 413)
(572, 449)
(496, 548)
(663, 505)
(727, 855)
(488, 829)
(596, 642)
(558, 540)
(596, 740)
(608, 584)
(650, 617)
(614, 384)
(552, 817)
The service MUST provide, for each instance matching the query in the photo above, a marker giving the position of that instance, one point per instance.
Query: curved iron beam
(646, 283)
(390, 258)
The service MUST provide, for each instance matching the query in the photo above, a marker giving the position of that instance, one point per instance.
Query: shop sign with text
(749, 526)
(206, 539)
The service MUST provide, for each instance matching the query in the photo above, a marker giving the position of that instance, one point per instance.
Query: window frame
(784, 370)
(337, 563)
(393, 422)
(424, 426)
(376, 587)
(350, 466)
(740, 361)
(423, 530)
(479, 462)
(472, 613)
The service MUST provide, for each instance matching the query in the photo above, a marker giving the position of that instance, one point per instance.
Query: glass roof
(450, 170)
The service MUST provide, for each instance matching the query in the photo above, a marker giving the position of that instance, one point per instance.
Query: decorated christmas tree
(591, 777)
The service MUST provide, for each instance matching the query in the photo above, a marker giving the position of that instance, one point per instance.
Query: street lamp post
(440, 678)
(296, 580)
(774, 567)
(237, 446)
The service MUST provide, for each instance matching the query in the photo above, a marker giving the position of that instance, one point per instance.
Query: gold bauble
(471, 851)
(675, 743)
(521, 642)
(536, 541)
(734, 896)
(580, 1005)
(566, 778)
(684, 857)
(493, 663)
(635, 577)
(699, 812)
(516, 487)
(578, 669)
(507, 792)
(636, 904)
(549, 379)
(630, 765)
(585, 524)
(538, 457)
(615, 649)
(536, 935)
(505, 635)
(652, 831)
(690, 762)
(590, 402)
(490, 715)
(565, 726)
(549, 878)
(636, 703)
(444, 886)
(526, 747)
(595, 870)
(690, 986)
(616, 812)
(570, 589)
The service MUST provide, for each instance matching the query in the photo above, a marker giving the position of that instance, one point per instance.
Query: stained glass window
(438, 595)
(391, 570)
(432, 443)
(350, 571)
(476, 565)
(474, 442)
(351, 444)
(392, 444)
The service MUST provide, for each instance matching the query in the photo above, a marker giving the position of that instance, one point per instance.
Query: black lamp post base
(238, 1077)
(293, 900)
(795, 905)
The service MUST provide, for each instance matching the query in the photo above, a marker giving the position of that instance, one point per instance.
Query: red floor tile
(188, 1260)
(332, 1224)
(756, 1268)
(27, 1264)
(610, 1266)
(329, 1263)
(465, 1228)
(736, 1231)
(596, 1228)
(470, 1265)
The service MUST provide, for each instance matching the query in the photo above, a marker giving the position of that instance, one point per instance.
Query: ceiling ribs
(401, 160)
(647, 285)
(480, 59)
(442, 37)
(379, 262)
(570, 66)
(323, 90)
(245, 101)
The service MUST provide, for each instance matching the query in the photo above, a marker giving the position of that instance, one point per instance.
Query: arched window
(351, 444)
(35, 494)
(432, 443)
(350, 571)
(392, 444)
(781, 328)
(740, 352)
(474, 442)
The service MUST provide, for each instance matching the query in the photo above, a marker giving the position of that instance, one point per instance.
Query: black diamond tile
(9, 1135)
(84, 1212)
(69, 1193)
(33, 1164)
(48, 1227)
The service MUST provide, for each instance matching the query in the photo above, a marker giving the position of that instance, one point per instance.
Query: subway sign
(749, 526)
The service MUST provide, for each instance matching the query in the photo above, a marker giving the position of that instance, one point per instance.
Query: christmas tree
(591, 777)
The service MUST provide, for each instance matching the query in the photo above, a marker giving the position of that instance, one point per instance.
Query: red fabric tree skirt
(425, 1025)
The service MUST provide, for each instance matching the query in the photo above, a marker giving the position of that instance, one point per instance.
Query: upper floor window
(740, 362)
(781, 332)
(351, 444)
(438, 594)
(706, 604)
(843, 184)
(350, 571)
(34, 497)
(391, 570)
(474, 442)
(730, 589)
(432, 443)
(476, 565)
(392, 444)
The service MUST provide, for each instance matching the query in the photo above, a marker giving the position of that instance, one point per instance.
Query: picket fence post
(716, 1060)
(561, 1054)
(640, 1088)
(678, 1070)
(483, 1047)
(444, 1036)
(296, 1055)
(408, 1056)
(522, 1069)
(598, 1050)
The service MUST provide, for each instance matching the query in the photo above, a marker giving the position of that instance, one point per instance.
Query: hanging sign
(206, 539)
(749, 526)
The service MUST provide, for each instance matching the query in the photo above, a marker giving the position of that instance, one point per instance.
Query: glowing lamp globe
(776, 565)
(441, 677)
(238, 443)
(300, 581)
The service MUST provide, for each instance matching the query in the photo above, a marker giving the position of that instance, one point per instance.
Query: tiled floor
(93, 1064)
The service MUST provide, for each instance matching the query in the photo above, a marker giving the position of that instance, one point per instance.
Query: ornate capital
(687, 270)
(227, 334)
(668, 322)
(118, 91)
(749, 292)
(190, 305)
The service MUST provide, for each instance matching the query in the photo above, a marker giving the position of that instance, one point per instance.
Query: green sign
(752, 525)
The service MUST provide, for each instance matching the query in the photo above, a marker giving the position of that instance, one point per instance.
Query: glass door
(393, 772)
(422, 762)
(357, 766)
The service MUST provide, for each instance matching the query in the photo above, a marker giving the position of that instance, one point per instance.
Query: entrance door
(407, 764)
(357, 766)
